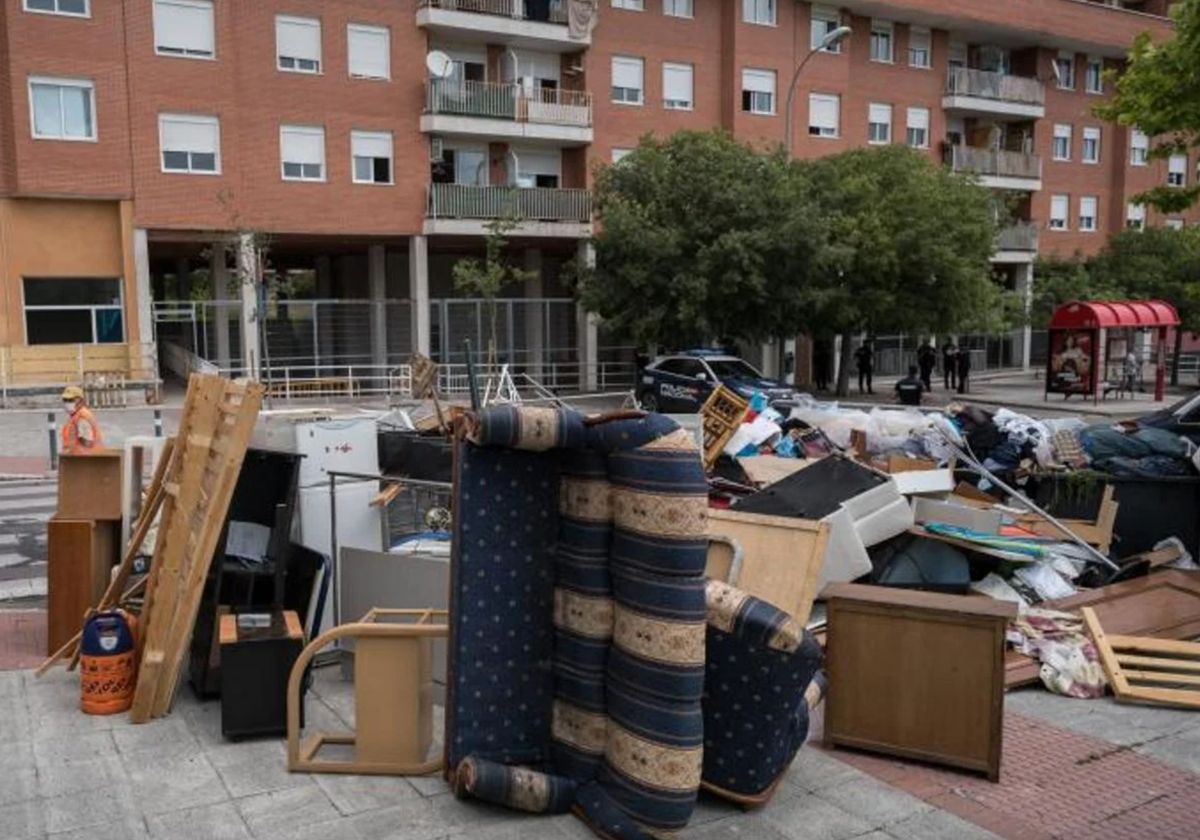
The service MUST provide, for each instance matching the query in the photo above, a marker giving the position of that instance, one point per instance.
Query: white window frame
(618, 154)
(1065, 81)
(1139, 142)
(295, 20)
(370, 29)
(823, 131)
(674, 8)
(630, 5)
(1135, 216)
(760, 12)
(1173, 170)
(676, 66)
(195, 119)
(312, 130)
(641, 91)
(364, 134)
(1093, 61)
(926, 36)
(1090, 133)
(883, 29)
(830, 19)
(1089, 224)
(756, 93)
(62, 82)
(875, 109)
(910, 127)
(87, 13)
(1060, 222)
(178, 52)
(1062, 131)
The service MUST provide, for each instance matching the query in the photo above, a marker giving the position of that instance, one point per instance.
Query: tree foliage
(1159, 92)
(1058, 280)
(488, 278)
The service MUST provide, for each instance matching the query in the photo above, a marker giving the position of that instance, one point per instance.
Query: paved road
(25, 507)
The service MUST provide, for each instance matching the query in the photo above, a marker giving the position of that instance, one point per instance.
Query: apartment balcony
(536, 24)
(980, 92)
(1017, 243)
(997, 169)
(509, 111)
(462, 209)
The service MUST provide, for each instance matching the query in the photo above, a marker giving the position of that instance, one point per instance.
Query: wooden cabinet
(81, 554)
(917, 675)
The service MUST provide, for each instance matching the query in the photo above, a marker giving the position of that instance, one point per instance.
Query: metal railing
(462, 201)
(962, 81)
(998, 162)
(1022, 236)
(509, 101)
(545, 11)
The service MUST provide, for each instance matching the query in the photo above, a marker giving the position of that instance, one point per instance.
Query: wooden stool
(393, 697)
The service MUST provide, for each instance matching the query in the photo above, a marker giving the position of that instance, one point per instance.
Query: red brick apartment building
(151, 149)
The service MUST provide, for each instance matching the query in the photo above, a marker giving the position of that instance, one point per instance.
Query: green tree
(1156, 263)
(1159, 92)
(1058, 280)
(909, 248)
(701, 237)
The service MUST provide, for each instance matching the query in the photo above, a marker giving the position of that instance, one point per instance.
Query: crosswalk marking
(28, 488)
(7, 560)
(24, 588)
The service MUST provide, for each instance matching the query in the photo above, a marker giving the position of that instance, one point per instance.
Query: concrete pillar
(324, 350)
(219, 271)
(183, 273)
(145, 297)
(770, 359)
(377, 293)
(249, 282)
(535, 316)
(588, 330)
(1025, 287)
(418, 292)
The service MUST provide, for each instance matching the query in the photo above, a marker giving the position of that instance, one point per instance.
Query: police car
(680, 384)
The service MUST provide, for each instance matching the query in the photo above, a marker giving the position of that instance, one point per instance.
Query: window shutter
(1058, 207)
(823, 111)
(370, 48)
(1087, 207)
(627, 73)
(189, 134)
(298, 37)
(303, 145)
(539, 65)
(677, 82)
(371, 144)
(760, 81)
(184, 25)
(1062, 131)
(1177, 164)
(918, 118)
(1139, 140)
(918, 38)
(880, 113)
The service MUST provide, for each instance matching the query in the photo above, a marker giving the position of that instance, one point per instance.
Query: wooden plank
(89, 486)
(768, 469)
(1157, 663)
(1108, 660)
(1163, 677)
(1141, 645)
(1165, 696)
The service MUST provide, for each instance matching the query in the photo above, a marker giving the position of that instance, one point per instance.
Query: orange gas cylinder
(107, 670)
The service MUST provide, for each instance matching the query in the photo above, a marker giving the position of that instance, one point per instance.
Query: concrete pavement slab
(22, 821)
(355, 794)
(808, 817)
(937, 825)
(873, 801)
(61, 778)
(286, 809)
(174, 783)
(255, 767)
(129, 828)
(92, 807)
(211, 822)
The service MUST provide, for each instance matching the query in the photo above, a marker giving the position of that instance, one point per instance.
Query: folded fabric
(514, 787)
(1104, 442)
(1070, 665)
(1068, 449)
(1162, 442)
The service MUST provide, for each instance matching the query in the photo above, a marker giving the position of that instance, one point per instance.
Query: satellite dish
(439, 64)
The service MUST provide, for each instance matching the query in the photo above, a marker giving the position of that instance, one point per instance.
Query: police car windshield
(732, 369)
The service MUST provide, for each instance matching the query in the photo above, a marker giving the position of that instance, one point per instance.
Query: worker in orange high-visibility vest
(81, 432)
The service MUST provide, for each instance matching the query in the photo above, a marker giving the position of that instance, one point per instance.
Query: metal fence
(548, 11)
(535, 204)
(997, 162)
(963, 81)
(1022, 236)
(509, 101)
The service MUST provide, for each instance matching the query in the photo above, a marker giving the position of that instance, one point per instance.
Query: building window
(627, 80)
(619, 155)
(759, 11)
(298, 44)
(540, 169)
(918, 128)
(1087, 213)
(1177, 170)
(629, 5)
(758, 91)
(1062, 142)
(372, 156)
(74, 8)
(1175, 224)
(370, 49)
(73, 311)
(881, 41)
(62, 109)
(824, 114)
(184, 28)
(1135, 216)
(879, 123)
(1064, 70)
(677, 86)
(190, 143)
(302, 152)
(1093, 81)
(920, 47)
(465, 166)
(1091, 145)
(824, 21)
(1139, 148)
(678, 8)
(1058, 212)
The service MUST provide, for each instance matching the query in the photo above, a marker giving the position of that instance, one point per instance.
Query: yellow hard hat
(72, 392)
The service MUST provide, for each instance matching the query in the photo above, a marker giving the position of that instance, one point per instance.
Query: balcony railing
(546, 11)
(462, 201)
(1001, 87)
(507, 101)
(1022, 236)
(995, 162)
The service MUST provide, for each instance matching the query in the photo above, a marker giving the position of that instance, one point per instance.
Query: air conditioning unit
(436, 150)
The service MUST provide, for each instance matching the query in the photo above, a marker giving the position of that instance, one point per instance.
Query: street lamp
(835, 36)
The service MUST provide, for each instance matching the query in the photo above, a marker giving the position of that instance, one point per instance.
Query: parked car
(680, 384)
(1182, 418)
